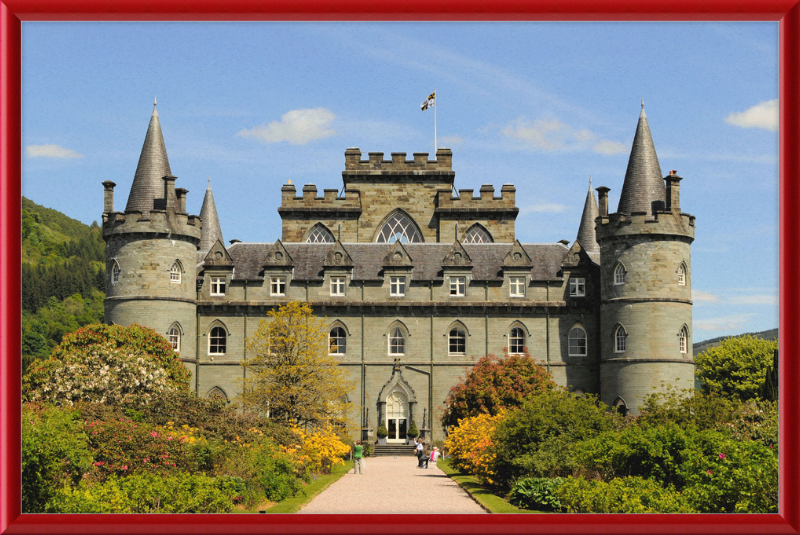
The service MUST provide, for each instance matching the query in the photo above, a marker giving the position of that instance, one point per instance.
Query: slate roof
(147, 191)
(210, 231)
(487, 259)
(644, 183)
(587, 236)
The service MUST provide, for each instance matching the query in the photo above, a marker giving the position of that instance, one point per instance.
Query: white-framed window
(397, 342)
(577, 342)
(217, 341)
(174, 337)
(619, 274)
(175, 273)
(457, 342)
(516, 341)
(683, 340)
(681, 275)
(397, 286)
(458, 286)
(577, 287)
(337, 341)
(115, 272)
(337, 286)
(217, 285)
(620, 336)
(517, 285)
(277, 286)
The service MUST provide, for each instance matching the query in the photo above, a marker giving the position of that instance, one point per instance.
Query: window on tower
(477, 234)
(683, 340)
(174, 337)
(399, 227)
(682, 275)
(620, 337)
(619, 274)
(320, 234)
(175, 273)
(115, 272)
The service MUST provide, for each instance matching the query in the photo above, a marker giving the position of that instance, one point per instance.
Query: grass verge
(490, 501)
(292, 505)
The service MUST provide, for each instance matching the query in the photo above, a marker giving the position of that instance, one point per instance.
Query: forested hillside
(699, 347)
(63, 277)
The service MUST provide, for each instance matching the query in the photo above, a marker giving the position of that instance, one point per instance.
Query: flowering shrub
(622, 495)
(322, 449)
(471, 446)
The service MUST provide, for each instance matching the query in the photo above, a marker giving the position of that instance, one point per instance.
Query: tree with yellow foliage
(289, 373)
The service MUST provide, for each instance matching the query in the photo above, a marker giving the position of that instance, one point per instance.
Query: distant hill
(699, 347)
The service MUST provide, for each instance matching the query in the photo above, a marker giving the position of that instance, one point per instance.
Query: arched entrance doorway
(397, 416)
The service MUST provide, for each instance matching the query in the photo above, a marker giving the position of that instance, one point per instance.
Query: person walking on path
(358, 458)
(420, 446)
(426, 455)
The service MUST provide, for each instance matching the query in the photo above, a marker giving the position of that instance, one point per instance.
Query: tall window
(397, 342)
(517, 285)
(174, 336)
(681, 275)
(577, 287)
(477, 234)
(175, 273)
(277, 286)
(217, 341)
(457, 342)
(619, 339)
(115, 273)
(320, 235)
(458, 286)
(397, 286)
(577, 342)
(683, 338)
(399, 228)
(619, 274)
(337, 286)
(516, 341)
(337, 342)
(217, 285)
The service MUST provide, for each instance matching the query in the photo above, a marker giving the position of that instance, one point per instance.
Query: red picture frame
(12, 12)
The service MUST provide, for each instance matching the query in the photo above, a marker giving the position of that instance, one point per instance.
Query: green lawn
(292, 505)
(490, 501)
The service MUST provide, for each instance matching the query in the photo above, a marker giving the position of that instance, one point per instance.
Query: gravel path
(393, 485)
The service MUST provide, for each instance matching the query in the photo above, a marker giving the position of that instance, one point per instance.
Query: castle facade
(415, 281)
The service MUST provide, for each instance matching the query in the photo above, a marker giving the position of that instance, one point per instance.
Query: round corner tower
(645, 270)
(151, 251)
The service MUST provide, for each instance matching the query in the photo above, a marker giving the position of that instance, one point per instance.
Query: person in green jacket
(358, 458)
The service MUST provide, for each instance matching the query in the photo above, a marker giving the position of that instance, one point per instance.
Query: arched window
(175, 272)
(683, 340)
(621, 407)
(217, 393)
(320, 234)
(516, 341)
(619, 339)
(174, 337)
(682, 275)
(337, 341)
(217, 341)
(115, 272)
(399, 227)
(477, 234)
(457, 342)
(397, 342)
(577, 342)
(619, 274)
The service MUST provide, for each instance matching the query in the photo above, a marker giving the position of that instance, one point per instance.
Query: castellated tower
(645, 270)
(151, 251)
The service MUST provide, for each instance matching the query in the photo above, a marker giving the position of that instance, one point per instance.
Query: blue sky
(539, 105)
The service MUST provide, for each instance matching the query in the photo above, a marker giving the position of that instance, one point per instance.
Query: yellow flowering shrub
(183, 434)
(321, 449)
(471, 446)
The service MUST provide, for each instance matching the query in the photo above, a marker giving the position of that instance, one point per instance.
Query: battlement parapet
(154, 222)
(620, 225)
(486, 202)
(358, 170)
(309, 202)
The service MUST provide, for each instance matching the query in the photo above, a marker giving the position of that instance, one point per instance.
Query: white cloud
(50, 151)
(551, 135)
(762, 299)
(452, 141)
(762, 115)
(702, 296)
(542, 208)
(724, 323)
(298, 127)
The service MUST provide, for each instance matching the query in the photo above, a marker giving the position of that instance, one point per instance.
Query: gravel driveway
(393, 485)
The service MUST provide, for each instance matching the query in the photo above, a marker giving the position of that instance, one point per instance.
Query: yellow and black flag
(430, 101)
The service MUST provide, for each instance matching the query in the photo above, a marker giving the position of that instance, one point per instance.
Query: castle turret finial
(643, 189)
(155, 102)
(147, 191)
(209, 182)
(642, 102)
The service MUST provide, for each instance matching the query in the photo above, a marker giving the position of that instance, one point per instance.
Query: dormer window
(458, 286)
(517, 285)
(577, 287)
(277, 286)
(175, 273)
(337, 286)
(217, 286)
(397, 286)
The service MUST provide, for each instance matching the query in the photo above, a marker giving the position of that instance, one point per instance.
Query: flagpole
(435, 144)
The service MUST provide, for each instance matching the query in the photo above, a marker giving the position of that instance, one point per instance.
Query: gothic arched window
(683, 340)
(682, 275)
(397, 342)
(516, 341)
(175, 272)
(217, 341)
(577, 342)
(399, 227)
(457, 342)
(320, 234)
(620, 336)
(337, 341)
(619, 274)
(115, 272)
(174, 337)
(478, 234)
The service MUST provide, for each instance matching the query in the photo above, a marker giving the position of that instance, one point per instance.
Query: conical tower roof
(644, 183)
(147, 191)
(211, 231)
(586, 233)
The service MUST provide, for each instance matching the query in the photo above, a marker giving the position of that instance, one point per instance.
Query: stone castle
(415, 282)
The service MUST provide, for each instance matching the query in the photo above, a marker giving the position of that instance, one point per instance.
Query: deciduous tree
(737, 367)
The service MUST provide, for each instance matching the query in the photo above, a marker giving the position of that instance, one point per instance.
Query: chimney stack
(602, 193)
(181, 194)
(170, 200)
(673, 191)
(108, 196)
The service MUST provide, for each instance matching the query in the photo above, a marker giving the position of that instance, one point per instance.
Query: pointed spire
(147, 191)
(643, 190)
(586, 233)
(210, 231)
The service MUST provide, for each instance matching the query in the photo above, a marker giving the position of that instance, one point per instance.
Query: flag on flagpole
(430, 101)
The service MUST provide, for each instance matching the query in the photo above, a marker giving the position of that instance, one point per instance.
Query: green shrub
(267, 470)
(685, 407)
(624, 495)
(149, 493)
(54, 453)
(413, 432)
(382, 432)
(737, 367)
(536, 493)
